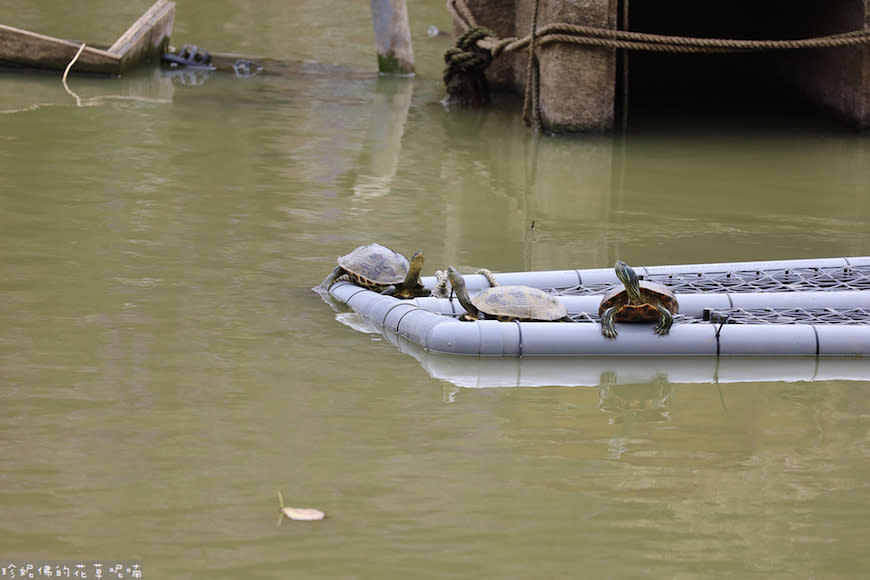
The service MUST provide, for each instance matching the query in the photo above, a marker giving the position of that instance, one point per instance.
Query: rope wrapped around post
(478, 46)
(464, 76)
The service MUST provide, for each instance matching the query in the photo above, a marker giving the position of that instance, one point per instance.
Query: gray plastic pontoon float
(814, 308)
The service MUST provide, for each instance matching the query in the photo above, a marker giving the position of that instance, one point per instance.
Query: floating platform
(143, 42)
(799, 308)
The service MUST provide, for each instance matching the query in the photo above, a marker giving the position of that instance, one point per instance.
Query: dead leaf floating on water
(304, 514)
(299, 514)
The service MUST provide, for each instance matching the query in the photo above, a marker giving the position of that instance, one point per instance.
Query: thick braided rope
(604, 37)
(464, 76)
(467, 54)
(608, 38)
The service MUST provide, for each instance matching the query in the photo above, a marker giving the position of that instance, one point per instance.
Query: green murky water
(166, 368)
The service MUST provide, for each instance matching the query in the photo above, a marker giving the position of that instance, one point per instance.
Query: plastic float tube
(444, 334)
(607, 371)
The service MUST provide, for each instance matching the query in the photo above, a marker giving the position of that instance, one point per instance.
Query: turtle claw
(609, 332)
(662, 328)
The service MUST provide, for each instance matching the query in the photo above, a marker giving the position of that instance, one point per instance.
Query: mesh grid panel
(778, 280)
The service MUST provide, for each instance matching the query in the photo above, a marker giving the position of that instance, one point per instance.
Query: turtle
(381, 269)
(507, 303)
(636, 301)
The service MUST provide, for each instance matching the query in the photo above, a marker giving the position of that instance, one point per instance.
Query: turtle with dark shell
(507, 303)
(637, 301)
(380, 269)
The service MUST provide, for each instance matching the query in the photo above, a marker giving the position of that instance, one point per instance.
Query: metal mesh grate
(584, 317)
(778, 280)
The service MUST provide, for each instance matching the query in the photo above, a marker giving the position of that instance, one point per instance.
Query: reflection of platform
(480, 372)
(794, 318)
(588, 371)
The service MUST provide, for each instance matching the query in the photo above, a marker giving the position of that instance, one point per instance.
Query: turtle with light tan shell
(637, 301)
(380, 269)
(507, 303)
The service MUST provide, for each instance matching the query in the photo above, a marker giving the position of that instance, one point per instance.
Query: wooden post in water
(393, 37)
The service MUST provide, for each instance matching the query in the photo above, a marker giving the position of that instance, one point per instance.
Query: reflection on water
(632, 404)
(381, 148)
(167, 369)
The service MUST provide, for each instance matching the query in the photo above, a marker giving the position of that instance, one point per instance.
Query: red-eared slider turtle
(379, 268)
(507, 303)
(637, 301)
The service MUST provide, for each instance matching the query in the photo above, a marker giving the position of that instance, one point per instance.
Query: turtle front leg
(405, 293)
(421, 291)
(665, 321)
(333, 276)
(608, 327)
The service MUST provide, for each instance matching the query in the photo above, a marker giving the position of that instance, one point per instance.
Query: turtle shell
(375, 265)
(651, 294)
(519, 303)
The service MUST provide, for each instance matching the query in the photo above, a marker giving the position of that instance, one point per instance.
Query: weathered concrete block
(577, 82)
(837, 78)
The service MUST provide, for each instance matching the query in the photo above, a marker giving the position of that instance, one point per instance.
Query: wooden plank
(145, 40)
(28, 49)
(148, 37)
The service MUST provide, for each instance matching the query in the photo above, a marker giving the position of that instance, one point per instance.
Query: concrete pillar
(837, 78)
(577, 83)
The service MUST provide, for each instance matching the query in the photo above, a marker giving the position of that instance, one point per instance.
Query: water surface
(166, 368)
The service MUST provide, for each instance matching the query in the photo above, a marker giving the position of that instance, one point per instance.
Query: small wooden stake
(393, 37)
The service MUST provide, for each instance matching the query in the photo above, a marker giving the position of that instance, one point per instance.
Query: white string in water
(66, 73)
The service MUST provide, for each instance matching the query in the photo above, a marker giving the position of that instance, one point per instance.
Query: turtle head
(629, 279)
(416, 265)
(417, 258)
(412, 285)
(459, 288)
(456, 279)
